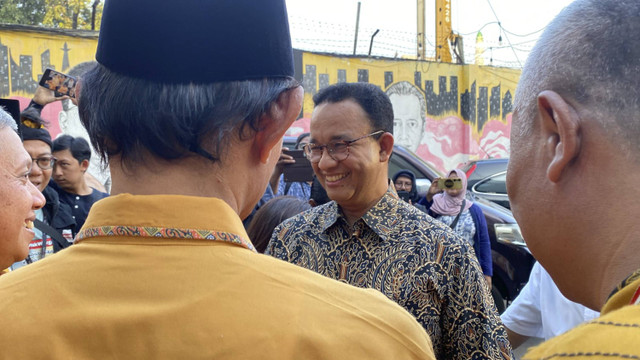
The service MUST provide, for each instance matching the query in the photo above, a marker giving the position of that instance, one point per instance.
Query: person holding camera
(446, 202)
(280, 187)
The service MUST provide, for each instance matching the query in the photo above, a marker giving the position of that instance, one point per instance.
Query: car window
(487, 168)
(397, 163)
(493, 185)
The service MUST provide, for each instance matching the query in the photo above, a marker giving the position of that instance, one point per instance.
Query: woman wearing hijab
(452, 208)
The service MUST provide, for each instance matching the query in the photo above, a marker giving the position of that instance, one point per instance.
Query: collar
(378, 218)
(165, 216)
(626, 293)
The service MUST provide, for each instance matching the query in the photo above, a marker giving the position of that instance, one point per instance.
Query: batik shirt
(410, 257)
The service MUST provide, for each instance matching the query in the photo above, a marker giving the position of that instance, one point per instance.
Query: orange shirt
(168, 276)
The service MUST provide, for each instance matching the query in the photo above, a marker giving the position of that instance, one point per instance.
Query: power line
(505, 35)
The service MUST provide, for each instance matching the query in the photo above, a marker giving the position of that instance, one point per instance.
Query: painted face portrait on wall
(409, 109)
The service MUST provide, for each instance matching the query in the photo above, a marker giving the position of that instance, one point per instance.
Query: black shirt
(79, 204)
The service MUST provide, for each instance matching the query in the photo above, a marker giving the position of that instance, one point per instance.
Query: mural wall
(26, 51)
(446, 113)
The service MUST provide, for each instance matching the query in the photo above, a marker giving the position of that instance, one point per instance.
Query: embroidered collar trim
(163, 232)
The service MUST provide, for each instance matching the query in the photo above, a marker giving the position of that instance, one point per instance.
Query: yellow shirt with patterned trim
(174, 277)
(614, 335)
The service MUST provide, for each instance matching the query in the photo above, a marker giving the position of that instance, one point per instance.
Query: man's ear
(386, 146)
(560, 126)
(84, 165)
(273, 124)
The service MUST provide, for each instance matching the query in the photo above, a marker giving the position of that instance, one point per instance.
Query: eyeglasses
(338, 150)
(403, 184)
(44, 162)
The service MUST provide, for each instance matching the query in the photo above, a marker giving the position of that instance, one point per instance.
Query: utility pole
(421, 51)
(355, 41)
(444, 31)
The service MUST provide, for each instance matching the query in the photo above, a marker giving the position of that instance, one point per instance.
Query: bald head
(590, 55)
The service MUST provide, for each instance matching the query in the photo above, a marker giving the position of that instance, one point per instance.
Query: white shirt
(540, 310)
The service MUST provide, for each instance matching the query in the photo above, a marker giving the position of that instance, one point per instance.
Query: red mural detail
(450, 142)
(298, 127)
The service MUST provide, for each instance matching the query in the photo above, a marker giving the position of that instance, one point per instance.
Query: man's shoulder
(613, 333)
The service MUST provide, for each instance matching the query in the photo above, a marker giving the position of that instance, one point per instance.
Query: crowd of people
(356, 264)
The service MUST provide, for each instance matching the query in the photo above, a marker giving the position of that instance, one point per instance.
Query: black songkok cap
(200, 41)
(36, 131)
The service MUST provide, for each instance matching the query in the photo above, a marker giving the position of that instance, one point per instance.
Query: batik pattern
(413, 259)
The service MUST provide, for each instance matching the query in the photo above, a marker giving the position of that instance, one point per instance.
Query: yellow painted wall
(28, 44)
(26, 51)
(467, 118)
(405, 70)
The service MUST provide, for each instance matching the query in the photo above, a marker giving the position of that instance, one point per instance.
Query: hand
(283, 161)
(44, 96)
(433, 189)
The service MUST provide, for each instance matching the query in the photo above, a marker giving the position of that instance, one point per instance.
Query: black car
(512, 261)
(493, 188)
(477, 170)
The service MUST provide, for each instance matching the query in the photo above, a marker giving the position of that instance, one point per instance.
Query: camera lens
(448, 183)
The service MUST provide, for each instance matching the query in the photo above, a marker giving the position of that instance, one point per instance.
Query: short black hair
(370, 98)
(133, 118)
(77, 146)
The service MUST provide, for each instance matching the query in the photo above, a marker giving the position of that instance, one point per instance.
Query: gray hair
(7, 121)
(131, 117)
(590, 55)
(406, 88)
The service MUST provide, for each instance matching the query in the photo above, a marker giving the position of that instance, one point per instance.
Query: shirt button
(77, 197)
(75, 206)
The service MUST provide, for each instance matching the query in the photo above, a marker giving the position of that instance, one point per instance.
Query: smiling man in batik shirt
(368, 237)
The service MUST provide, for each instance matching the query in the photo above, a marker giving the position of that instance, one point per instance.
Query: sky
(329, 26)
